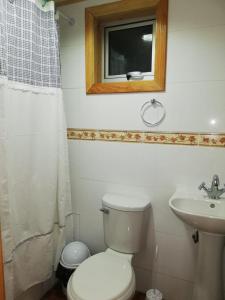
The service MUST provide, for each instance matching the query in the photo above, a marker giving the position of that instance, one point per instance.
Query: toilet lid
(102, 277)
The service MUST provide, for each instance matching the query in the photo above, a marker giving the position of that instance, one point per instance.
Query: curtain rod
(70, 20)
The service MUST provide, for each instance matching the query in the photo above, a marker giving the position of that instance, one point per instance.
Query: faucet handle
(202, 186)
(216, 180)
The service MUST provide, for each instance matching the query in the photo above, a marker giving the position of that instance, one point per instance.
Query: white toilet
(109, 275)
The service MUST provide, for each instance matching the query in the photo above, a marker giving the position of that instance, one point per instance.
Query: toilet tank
(124, 219)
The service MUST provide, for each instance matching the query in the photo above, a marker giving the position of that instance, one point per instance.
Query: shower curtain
(34, 181)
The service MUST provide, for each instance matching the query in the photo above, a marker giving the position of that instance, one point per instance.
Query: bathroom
(111, 142)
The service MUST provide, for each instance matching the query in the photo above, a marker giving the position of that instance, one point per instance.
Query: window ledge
(125, 87)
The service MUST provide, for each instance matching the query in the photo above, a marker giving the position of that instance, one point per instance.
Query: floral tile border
(131, 136)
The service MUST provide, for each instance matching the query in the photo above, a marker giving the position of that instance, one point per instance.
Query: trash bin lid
(74, 254)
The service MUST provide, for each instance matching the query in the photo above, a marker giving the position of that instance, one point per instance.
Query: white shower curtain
(34, 181)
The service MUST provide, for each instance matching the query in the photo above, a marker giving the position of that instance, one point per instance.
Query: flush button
(212, 205)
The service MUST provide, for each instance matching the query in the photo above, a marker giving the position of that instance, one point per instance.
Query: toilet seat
(104, 276)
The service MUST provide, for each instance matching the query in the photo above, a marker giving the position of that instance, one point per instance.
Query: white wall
(195, 94)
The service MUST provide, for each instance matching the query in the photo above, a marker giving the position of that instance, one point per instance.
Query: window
(121, 37)
(128, 48)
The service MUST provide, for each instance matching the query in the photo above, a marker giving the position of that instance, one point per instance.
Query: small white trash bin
(72, 256)
(154, 294)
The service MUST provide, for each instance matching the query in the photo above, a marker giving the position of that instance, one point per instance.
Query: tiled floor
(56, 294)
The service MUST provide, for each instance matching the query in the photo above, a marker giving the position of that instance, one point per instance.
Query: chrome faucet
(214, 192)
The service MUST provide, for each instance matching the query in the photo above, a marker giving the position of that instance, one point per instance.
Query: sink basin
(202, 213)
(208, 216)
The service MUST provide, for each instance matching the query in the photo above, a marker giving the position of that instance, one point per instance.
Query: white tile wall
(190, 107)
(195, 95)
(172, 287)
(180, 269)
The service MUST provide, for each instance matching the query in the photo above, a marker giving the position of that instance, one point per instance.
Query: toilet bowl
(104, 276)
(109, 275)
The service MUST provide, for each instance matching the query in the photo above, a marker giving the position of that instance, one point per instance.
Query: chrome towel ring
(153, 104)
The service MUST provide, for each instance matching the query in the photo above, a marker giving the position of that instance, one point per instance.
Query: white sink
(202, 213)
(208, 216)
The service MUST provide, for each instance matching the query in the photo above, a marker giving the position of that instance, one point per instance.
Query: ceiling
(66, 2)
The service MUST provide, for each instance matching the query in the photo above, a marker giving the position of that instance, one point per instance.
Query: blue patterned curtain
(29, 51)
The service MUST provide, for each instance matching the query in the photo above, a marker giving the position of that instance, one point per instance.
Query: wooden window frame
(120, 10)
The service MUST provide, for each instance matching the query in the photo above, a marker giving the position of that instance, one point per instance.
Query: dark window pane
(130, 50)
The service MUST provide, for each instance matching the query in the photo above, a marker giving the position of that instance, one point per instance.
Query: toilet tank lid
(125, 203)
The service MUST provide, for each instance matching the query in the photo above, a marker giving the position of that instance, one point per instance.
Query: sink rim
(206, 200)
(199, 217)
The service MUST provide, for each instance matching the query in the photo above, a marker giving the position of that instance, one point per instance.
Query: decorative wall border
(132, 136)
